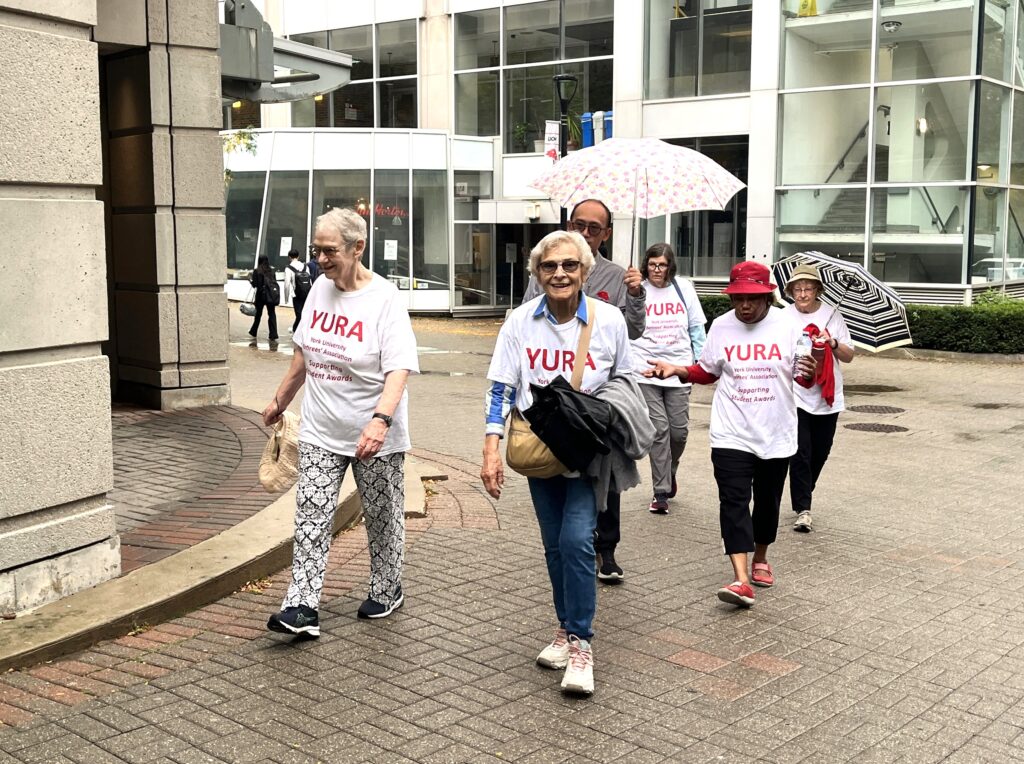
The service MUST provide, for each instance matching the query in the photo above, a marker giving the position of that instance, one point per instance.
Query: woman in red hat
(750, 351)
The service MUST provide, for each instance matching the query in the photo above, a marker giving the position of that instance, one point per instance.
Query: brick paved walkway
(181, 477)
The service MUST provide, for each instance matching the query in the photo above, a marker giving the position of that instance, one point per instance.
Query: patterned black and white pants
(381, 486)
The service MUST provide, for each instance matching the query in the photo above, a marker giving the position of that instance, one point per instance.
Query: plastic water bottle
(804, 347)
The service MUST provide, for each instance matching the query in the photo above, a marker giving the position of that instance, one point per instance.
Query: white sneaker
(579, 674)
(803, 522)
(555, 655)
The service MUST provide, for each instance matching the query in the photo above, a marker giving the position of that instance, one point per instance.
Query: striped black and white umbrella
(873, 311)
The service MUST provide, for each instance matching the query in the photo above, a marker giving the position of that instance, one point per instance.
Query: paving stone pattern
(893, 633)
(182, 477)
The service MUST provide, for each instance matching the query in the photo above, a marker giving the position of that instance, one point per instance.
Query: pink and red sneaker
(736, 593)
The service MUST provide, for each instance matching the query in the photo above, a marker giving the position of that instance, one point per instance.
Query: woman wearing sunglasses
(674, 333)
(537, 343)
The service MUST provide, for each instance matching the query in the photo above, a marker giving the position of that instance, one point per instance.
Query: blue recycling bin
(608, 123)
(587, 129)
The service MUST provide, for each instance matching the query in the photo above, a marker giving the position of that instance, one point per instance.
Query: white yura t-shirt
(825, 317)
(349, 341)
(754, 408)
(667, 333)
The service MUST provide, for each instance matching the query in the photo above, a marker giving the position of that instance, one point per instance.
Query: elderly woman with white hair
(538, 342)
(354, 350)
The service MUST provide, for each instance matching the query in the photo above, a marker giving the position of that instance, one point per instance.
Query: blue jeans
(567, 514)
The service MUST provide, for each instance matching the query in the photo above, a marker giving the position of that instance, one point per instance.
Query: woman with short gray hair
(354, 350)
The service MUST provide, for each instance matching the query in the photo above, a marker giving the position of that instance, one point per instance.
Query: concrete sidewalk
(892, 634)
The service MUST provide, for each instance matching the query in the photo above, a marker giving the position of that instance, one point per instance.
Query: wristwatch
(383, 417)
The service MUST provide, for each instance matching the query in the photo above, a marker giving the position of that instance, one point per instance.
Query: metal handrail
(933, 210)
(1016, 224)
(862, 133)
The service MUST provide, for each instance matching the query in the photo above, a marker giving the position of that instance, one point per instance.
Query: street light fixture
(565, 86)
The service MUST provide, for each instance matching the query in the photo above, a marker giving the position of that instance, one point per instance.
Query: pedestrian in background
(354, 359)
(818, 406)
(268, 296)
(751, 353)
(622, 288)
(297, 283)
(674, 333)
(533, 347)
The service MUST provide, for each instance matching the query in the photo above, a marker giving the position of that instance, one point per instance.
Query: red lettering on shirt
(666, 309)
(555, 360)
(334, 324)
(756, 352)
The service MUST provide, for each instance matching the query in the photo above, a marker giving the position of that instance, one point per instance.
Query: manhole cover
(874, 427)
(866, 409)
(872, 389)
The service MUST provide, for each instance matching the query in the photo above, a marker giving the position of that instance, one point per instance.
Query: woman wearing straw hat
(751, 352)
(818, 406)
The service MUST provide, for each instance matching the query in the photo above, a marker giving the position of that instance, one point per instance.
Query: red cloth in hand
(826, 374)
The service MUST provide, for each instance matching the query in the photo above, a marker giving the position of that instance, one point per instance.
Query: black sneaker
(373, 609)
(609, 571)
(296, 620)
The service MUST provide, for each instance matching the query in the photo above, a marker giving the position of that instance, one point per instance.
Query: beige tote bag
(279, 465)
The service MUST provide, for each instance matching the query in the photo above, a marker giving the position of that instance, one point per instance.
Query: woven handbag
(279, 465)
(525, 452)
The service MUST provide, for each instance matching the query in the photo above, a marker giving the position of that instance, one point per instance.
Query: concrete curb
(917, 354)
(258, 546)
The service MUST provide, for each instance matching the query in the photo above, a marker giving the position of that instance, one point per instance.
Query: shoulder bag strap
(584, 346)
(679, 292)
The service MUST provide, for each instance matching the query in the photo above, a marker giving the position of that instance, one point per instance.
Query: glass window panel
(927, 132)
(993, 133)
(318, 39)
(1015, 236)
(1018, 69)
(340, 188)
(531, 100)
(391, 226)
(477, 39)
(398, 103)
(430, 229)
(925, 43)
(470, 188)
(725, 65)
(476, 103)
(820, 50)
(242, 217)
(589, 28)
(824, 137)
(987, 262)
(244, 114)
(396, 48)
(353, 105)
(1017, 146)
(531, 32)
(474, 263)
(303, 113)
(672, 49)
(286, 215)
(824, 211)
(917, 234)
(358, 43)
(997, 55)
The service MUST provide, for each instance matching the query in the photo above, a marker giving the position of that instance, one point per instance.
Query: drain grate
(866, 409)
(875, 427)
(872, 389)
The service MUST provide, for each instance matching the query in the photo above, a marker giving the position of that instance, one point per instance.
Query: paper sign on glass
(390, 249)
(286, 245)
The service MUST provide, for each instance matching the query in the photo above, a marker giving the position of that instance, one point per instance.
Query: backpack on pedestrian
(303, 283)
(271, 291)
(314, 269)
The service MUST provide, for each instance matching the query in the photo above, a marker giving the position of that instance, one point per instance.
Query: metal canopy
(250, 55)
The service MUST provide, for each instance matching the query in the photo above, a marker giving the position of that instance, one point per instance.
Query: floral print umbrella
(642, 177)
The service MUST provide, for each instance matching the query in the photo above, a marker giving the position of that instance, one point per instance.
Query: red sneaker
(761, 574)
(736, 593)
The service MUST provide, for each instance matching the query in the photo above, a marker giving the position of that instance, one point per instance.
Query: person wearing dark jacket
(268, 296)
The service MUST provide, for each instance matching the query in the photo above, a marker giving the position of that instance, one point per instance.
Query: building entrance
(512, 259)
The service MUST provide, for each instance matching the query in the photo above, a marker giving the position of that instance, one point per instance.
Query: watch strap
(383, 417)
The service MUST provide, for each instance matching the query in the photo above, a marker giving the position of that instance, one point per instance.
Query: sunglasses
(550, 266)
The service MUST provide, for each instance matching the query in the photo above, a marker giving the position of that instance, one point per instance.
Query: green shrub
(995, 324)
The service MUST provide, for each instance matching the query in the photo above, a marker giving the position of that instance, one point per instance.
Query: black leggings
(815, 433)
(738, 474)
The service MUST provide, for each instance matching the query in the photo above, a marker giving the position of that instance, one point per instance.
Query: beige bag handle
(583, 347)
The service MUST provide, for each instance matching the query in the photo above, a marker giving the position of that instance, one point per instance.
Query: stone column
(166, 195)
(57, 531)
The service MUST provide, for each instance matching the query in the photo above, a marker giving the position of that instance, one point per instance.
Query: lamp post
(565, 86)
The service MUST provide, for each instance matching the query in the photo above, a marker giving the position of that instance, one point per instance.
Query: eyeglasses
(657, 266)
(804, 290)
(315, 251)
(568, 266)
(580, 227)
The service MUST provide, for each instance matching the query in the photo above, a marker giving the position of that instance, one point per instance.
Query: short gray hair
(348, 223)
(555, 239)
